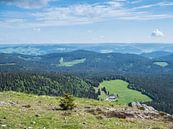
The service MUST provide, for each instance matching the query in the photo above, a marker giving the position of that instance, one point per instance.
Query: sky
(86, 21)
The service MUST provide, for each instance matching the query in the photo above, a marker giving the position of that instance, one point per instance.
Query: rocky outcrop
(135, 110)
(141, 106)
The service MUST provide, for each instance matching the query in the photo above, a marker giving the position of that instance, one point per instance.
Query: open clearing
(125, 95)
(8, 64)
(161, 63)
(63, 63)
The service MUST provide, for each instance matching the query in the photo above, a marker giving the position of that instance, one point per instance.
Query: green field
(161, 63)
(125, 94)
(63, 63)
(23, 111)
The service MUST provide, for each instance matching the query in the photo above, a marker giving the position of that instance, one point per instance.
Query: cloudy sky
(86, 21)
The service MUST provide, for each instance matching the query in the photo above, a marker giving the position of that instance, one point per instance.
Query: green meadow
(63, 63)
(8, 64)
(125, 95)
(161, 63)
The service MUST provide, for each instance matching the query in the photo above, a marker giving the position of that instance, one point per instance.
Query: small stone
(2, 103)
(33, 122)
(3, 125)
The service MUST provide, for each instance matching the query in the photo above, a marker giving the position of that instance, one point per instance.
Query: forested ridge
(46, 84)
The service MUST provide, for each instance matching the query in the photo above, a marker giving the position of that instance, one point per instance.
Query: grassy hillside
(125, 94)
(19, 111)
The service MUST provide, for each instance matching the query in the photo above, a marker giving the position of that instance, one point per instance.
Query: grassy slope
(125, 95)
(41, 115)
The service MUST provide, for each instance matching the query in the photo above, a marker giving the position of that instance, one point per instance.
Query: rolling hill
(156, 54)
(91, 62)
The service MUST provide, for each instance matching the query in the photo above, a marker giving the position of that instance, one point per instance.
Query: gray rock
(2, 103)
(141, 106)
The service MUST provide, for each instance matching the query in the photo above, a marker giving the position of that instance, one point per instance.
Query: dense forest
(159, 87)
(46, 84)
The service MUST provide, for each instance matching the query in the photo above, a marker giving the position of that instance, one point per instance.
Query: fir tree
(67, 102)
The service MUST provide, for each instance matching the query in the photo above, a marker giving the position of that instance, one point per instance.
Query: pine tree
(67, 102)
(99, 92)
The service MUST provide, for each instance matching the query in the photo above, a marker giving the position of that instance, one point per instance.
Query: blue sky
(86, 21)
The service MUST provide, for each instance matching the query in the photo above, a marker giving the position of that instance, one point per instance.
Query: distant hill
(168, 58)
(40, 49)
(156, 54)
(82, 61)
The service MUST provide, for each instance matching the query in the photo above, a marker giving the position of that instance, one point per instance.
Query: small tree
(67, 102)
(104, 90)
(99, 92)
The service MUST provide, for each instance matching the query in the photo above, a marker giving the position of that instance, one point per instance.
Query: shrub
(67, 102)
(141, 108)
(162, 113)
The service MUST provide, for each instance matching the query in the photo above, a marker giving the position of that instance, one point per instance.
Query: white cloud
(28, 4)
(37, 29)
(101, 37)
(160, 4)
(136, 1)
(77, 14)
(157, 33)
(90, 31)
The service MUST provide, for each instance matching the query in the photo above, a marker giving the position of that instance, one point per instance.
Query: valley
(111, 90)
(86, 64)
(93, 68)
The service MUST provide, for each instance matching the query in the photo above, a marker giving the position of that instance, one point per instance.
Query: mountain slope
(19, 110)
